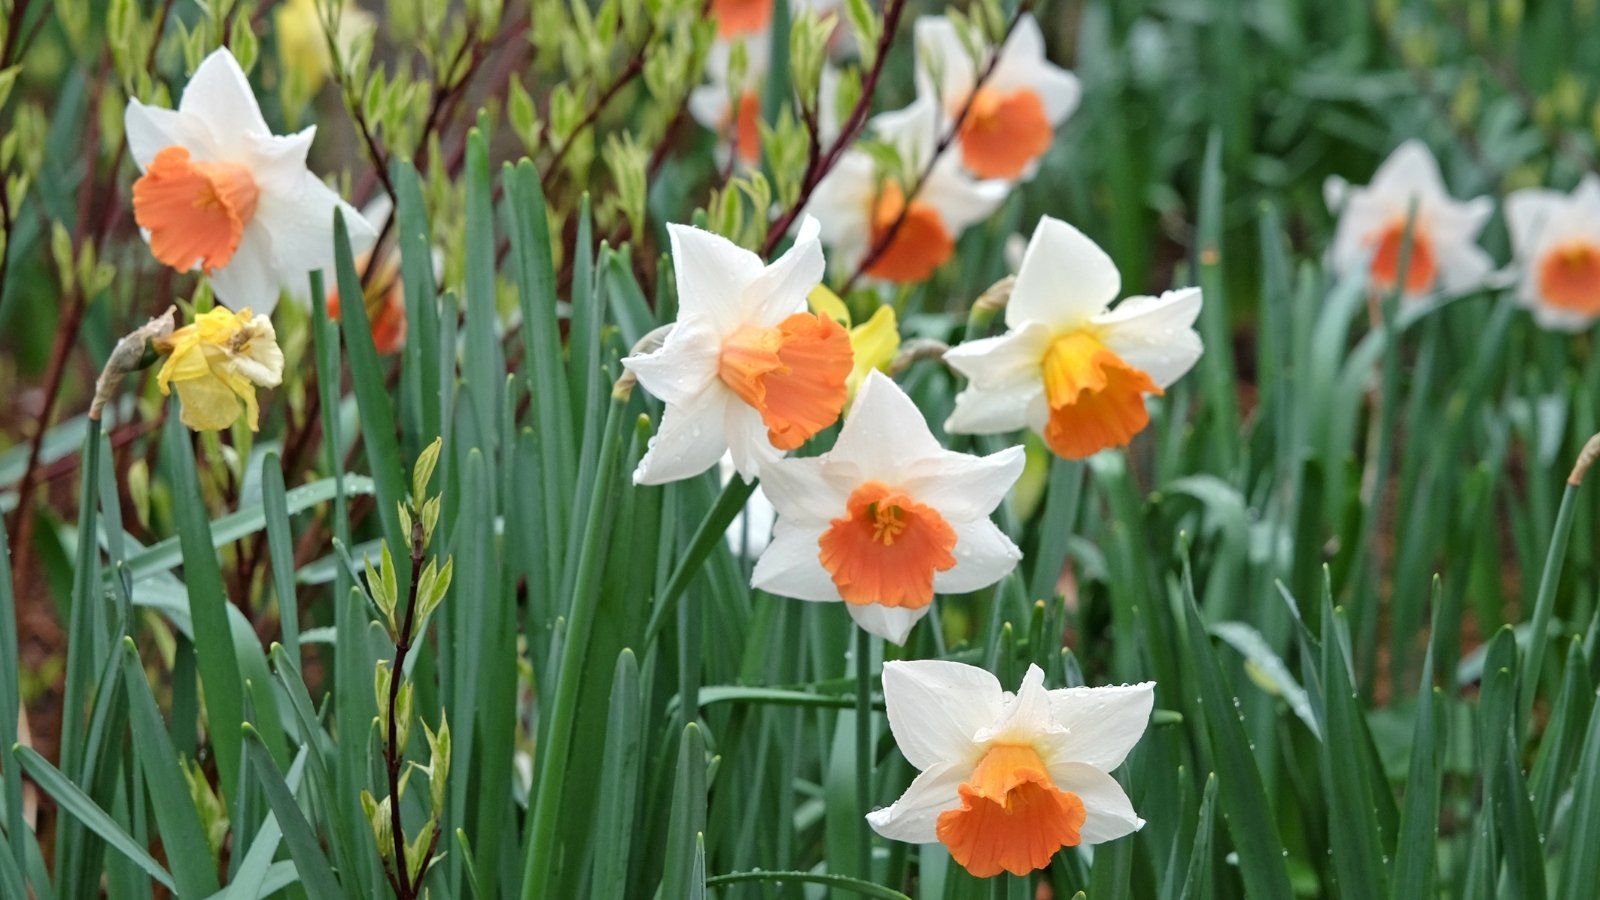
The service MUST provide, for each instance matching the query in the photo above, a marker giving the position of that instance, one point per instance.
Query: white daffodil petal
(1108, 814)
(278, 163)
(1066, 279)
(689, 441)
(1528, 212)
(1409, 170)
(1154, 334)
(1103, 723)
(780, 290)
(984, 555)
(1463, 266)
(801, 491)
(936, 706)
(1002, 361)
(914, 818)
(219, 95)
(712, 272)
(940, 51)
(884, 431)
(1026, 716)
(962, 486)
(249, 280)
(684, 367)
(151, 129)
(1334, 192)
(789, 567)
(980, 411)
(708, 104)
(302, 229)
(746, 437)
(961, 201)
(1058, 89)
(892, 623)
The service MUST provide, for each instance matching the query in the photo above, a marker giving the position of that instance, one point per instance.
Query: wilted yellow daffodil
(1009, 779)
(218, 361)
(1069, 366)
(874, 342)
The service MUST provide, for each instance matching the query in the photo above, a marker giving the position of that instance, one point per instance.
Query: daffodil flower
(222, 194)
(1006, 780)
(873, 343)
(1011, 119)
(216, 363)
(1556, 239)
(887, 517)
(736, 122)
(1069, 366)
(858, 205)
(1372, 225)
(745, 369)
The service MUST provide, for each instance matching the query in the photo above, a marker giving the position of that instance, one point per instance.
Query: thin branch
(819, 166)
(632, 70)
(886, 239)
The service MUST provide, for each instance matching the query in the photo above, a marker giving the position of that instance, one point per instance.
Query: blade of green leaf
(74, 801)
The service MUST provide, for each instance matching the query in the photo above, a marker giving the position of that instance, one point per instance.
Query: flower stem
(863, 661)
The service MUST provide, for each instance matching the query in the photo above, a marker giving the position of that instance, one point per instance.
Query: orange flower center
(746, 128)
(1012, 818)
(919, 246)
(736, 17)
(793, 374)
(1096, 399)
(1569, 277)
(195, 212)
(886, 548)
(384, 299)
(1421, 268)
(1004, 132)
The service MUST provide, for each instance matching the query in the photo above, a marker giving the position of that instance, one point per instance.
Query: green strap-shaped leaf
(181, 832)
(82, 807)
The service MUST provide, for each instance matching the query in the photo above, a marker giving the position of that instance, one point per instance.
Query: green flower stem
(1545, 604)
(539, 866)
(864, 747)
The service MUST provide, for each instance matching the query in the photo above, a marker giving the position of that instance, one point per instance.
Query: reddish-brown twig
(818, 166)
(884, 240)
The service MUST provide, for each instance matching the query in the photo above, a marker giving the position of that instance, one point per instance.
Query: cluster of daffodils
(759, 362)
(219, 193)
(1408, 235)
(982, 119)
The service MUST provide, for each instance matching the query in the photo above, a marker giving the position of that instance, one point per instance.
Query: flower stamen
(886, 548)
